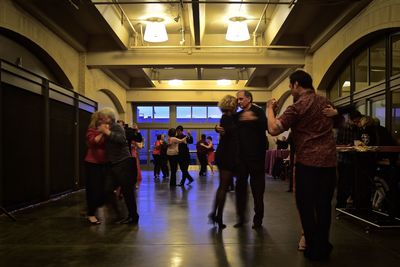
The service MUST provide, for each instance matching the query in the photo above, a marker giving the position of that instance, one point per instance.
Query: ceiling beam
(238, 2)
(281, 78)
(199, 73)
(58, 30)
(143, 59)
(123, 84)
(277, 25)
(196, 21)
(337, 24)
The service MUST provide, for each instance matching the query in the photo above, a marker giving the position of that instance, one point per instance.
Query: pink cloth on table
(271, 156)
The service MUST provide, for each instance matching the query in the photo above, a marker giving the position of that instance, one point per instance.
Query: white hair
(108, 112)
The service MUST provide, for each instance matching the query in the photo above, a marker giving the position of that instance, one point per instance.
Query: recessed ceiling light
(224, 82)
(175, 82)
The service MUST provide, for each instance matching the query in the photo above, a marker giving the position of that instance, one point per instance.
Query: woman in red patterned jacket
(95, 166)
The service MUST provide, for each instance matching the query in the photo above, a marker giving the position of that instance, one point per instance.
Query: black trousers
(157, 165)
(173, 163)
(314, 192)
(124, 174)
(203, 163)
(254, 168)
(183, 162)
(95, 186)
(164, 166)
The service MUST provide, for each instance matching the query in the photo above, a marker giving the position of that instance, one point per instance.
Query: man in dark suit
(252, 126)
(184, 155)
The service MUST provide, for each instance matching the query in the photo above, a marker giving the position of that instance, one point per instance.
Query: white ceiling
(111, 34)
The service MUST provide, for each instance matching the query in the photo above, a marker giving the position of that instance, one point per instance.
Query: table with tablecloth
(271, 156)
(369, 176)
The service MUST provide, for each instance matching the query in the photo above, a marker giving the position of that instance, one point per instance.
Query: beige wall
(104, 101)
(380, 14)
(280, 89)
(188, 95)
(96, 80)
(14, 18)
(70, 61)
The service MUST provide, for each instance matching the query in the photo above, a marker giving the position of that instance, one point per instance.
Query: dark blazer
(183, 148)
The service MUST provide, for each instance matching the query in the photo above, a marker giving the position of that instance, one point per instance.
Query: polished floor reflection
(173, 231)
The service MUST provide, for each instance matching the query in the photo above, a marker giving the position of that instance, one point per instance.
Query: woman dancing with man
(226, 157)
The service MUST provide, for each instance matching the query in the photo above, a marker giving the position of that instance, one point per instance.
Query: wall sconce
(237, 30)
(155, 31)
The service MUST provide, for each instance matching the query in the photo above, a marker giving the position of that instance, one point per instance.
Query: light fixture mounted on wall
(155, 30)
(237, 30)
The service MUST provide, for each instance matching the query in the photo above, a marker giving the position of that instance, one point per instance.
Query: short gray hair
(247, 94)
(108, 112)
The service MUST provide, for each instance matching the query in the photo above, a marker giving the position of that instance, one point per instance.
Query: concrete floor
(173, 231)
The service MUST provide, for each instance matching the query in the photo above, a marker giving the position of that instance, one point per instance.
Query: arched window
(368, 78)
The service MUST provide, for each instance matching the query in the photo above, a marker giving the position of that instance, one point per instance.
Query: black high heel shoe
(213, 219)
(220, 224)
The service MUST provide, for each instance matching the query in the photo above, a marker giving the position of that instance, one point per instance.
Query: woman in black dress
(226, 156)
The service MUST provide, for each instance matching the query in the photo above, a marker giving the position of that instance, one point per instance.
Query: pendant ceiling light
(155, 31)
(237, 30)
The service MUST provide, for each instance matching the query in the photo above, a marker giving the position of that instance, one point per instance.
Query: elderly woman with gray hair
(123, 165)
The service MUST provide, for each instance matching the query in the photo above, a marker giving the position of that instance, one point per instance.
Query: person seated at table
(384, 138)
(368, 131)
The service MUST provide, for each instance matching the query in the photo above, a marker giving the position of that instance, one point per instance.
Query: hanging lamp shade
(237, 30)
(155, 31)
